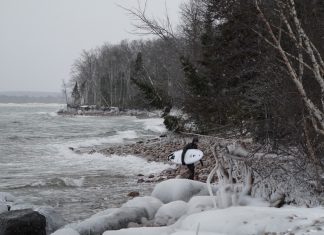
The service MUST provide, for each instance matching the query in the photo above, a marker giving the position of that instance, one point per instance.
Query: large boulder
(22, 222)
(180, 189)
(150, 204)
(200, 203)
(114, 220)
(54, 220)
(169, 213)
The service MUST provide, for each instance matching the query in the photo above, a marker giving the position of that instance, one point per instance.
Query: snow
(179, 189)
(140, 231)
(169, 213)
(237, 150)
(66, 231)
(104, 213)
(200, 203)
(243, 215)
(150, 204)
(241, 220)
(254, 220)
(117, 219)
(53, 219)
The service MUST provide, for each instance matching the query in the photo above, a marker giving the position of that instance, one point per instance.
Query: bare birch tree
(308, 57)
(305, 56)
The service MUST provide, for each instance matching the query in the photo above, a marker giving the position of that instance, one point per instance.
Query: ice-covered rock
(66, 231)
(199, 204)
(104, 212)
(245, 200)
(241, 220)
(140, 231)
(117, 219)
(169, 213)
(54, 220)
(179, 189)
(150, 204)
(256, 220)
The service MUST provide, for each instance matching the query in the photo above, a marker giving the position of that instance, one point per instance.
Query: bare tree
(305, 48)
(304, 56)
(146, 25)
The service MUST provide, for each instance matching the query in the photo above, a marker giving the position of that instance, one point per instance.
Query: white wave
(59, 181)
(68, 161)
(132, 165)
(40, 183)
(153, 124)
(118, 138)
(73, 182)
(51, 114)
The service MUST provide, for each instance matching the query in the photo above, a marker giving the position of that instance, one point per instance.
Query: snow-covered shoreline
(181, 206)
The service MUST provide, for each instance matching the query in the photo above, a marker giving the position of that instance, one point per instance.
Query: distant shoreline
(30, 99)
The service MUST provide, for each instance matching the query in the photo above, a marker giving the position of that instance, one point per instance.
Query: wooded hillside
(235, 68)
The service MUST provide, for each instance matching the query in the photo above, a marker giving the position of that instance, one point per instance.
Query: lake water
(37, 166)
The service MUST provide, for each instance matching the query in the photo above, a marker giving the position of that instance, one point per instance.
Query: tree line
(111, 74)
(234, 67)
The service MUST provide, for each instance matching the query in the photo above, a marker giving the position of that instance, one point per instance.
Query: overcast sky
(40, 39)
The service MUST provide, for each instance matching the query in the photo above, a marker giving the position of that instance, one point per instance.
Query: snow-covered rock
(199, 204)
(243, 221)
(179, 189)
(150, 204)
(254, 220)
(117, 219)
(245, 200)
(54, 220)
(66, 231)
(169, 213)
(141, 231)
(104, 213)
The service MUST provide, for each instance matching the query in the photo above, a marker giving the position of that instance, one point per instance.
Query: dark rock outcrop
(133, 194)
(22, 222)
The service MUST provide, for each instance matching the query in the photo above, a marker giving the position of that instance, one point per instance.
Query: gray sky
(40, 39)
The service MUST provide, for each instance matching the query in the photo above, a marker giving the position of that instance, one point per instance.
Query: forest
(235, 68)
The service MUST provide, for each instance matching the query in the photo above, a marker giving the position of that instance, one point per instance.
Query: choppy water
(37, 166)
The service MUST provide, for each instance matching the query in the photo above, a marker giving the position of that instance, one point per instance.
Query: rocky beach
(158, 149)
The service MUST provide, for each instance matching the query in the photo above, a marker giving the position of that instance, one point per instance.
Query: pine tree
(76, 98)
(153, 95)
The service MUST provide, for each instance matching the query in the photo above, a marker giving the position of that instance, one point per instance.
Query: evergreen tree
(76, 98)
(156, 97)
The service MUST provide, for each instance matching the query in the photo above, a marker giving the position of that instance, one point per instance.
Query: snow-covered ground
(241, 220)
(184, 207)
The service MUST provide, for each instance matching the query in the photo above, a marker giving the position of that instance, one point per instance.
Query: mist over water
(37, 166)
